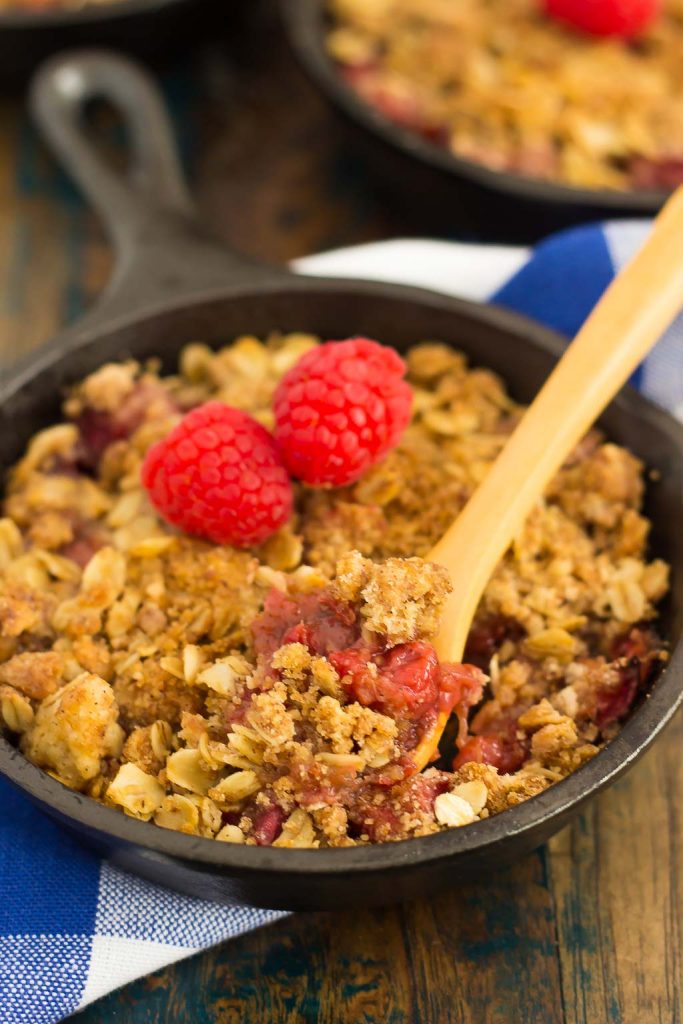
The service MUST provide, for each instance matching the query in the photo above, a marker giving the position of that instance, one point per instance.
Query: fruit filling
(217, 613)
(386, 671)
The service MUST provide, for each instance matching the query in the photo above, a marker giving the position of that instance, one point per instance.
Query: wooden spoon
(632, 314)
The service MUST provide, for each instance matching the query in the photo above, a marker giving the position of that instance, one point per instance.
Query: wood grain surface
(585, 931)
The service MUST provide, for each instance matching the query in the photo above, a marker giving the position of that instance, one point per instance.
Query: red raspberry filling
(633, 647)
(268, 825)
(340, 410)
(316, 620)
(100, 429)
(406, 682)
(380, 819)
(505, 754)
(218, 475)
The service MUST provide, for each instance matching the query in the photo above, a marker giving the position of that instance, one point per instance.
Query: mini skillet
(172, 285)
(449, 192)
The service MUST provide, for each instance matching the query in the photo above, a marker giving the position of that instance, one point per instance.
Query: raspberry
(605, 17)
(340, 410)
(218, 475)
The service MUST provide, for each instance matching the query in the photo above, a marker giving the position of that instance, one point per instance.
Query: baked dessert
(273, 694)
(512, 85)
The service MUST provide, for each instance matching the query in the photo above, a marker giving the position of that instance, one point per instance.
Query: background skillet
(173, 284)
(446, 192)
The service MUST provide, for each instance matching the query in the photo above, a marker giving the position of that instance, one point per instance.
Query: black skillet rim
(303, 19)
(558, 802)
(90, 13)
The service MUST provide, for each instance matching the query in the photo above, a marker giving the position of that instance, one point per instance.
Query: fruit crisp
(275, 695)
(506, 85)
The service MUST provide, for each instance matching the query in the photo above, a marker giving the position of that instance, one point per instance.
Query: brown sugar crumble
(276, 696)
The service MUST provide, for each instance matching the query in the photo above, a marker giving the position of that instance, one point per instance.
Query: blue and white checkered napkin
(71, 926)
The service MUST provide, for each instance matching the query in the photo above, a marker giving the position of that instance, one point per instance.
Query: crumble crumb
(74, 730)
(400, 599)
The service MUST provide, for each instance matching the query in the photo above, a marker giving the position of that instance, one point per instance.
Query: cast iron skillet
(442, 190)
(148, 27)
(173, 285)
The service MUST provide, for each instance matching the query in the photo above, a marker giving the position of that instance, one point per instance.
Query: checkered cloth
(72, 927)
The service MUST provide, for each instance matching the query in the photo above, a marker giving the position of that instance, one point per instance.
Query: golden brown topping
(107, 388)
(149, 746)
(74, 729)
(297, 831)
(234, 789)
(186, 769)
(138, 793)
(102, 582)
(36, 675)
(44, 446)
(474, 792)
(452, 810)
(231, 834)
(293, 659)
(24, 609)
(15, 710)
(400, 599)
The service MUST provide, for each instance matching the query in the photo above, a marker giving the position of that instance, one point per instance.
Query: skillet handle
(163, 255)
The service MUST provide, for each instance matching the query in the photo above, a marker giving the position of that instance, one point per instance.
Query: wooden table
(584, 931)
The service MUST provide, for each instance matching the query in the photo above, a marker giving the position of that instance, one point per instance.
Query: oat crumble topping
(274, 696)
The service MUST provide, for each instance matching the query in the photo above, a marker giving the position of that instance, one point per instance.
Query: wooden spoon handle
(635, 310)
